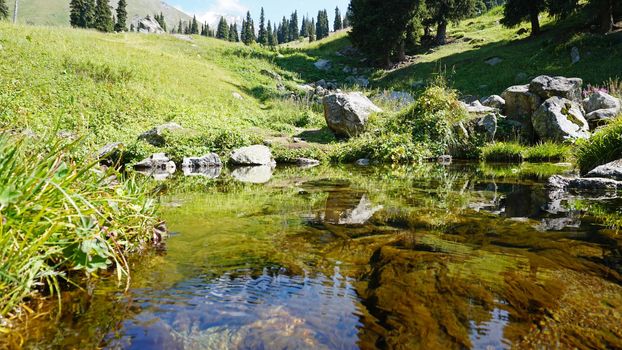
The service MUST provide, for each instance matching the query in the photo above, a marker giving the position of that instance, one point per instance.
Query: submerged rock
(252, 155)
(155, 136)
(346, 113)
(547, 87)
(253, 174)
(349, 209)
(307, 162)
(559, 119)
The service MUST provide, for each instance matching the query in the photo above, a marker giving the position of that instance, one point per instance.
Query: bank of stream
(422, 257)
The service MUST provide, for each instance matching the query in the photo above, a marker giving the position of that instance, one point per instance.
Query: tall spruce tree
(346, 19)
(103, 16)
(270, 35)
(248, 30)
(293, 27)
(518, 11)
(194, 26)
(275, 36)
(262, 38)
(243, 31)
(338, 25)
(121, 23)
(82, 13)
(180, 28)
(312, 30)
(4, 10)
(223, 29)
(379, 28)
(322, 26)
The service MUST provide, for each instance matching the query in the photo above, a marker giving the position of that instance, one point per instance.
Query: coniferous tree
(442, 12)
(103, 16)
(223, 29)
(322, 26)
(180, 27)
(82, 13)
(194, 26)
(4, 10)
(275, 36)
(346, 19)
(262, 38)
(518, 11)
(243, 33)
(121, 22)
(162, 21)
(248, 30)
(380, 28)
(293, 27)
(338, 25)
(132, 29)
(312, 30)
(270, 35)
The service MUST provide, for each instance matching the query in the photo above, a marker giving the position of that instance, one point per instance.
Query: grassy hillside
(474, 41)
(56, 12)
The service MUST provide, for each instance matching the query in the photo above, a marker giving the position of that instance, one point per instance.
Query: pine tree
(121, 22)
(346, 19)
(103, 16)
(322, 27)
(4, 10)
(380, 29)
(82, 13)
(270, 33)
(338, 22)
(442, 12)
(248, 30)
(223, 29)
(132, 29)
(180, 27)
(275, 35)
(293, 27)
(312, 30)
(262, 38)
(162, 22)
(194, 27)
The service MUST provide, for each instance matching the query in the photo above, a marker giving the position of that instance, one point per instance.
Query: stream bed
(468, 256)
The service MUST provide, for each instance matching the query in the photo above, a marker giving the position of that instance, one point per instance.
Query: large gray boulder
(581, 184)
(547, 87)
(252, 155)
(155, 136)
(149, 25)
(520, 104)
(600, 107)
(611, 170)
(559, 119)
(346, 113)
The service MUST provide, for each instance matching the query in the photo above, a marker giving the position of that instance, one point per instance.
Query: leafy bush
(59, 216)
(603, 147)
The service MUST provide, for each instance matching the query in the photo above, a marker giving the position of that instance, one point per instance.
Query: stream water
(426, 257)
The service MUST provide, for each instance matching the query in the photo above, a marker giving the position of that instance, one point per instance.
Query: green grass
(515, 152)
(56, 12)
(603, 147)
(61, 219)
(503, 152)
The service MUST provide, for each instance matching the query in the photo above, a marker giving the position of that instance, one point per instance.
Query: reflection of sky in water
(272, 311)
(489, 335)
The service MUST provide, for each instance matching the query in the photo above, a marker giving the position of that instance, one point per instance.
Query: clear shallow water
(346, 258)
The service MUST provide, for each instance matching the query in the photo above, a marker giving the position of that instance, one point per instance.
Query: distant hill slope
(56, 12)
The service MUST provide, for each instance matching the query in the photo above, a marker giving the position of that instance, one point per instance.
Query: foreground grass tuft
(515, 152)
(603, 147)
(60, 219)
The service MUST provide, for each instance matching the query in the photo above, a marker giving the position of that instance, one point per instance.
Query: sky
(210, 11)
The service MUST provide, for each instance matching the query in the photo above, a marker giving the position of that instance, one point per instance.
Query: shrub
(603, 147)
(59, 216)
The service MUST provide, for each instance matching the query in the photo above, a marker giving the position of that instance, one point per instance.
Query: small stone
(363, 162)
(493, 61)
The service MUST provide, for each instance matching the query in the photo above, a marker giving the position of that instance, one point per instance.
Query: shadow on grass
(321, 136)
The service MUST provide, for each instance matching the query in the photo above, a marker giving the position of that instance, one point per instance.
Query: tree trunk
(441, 32)
(402, 52)
(427, 32)
(535, 22)
(387, 61)
(606, 16)
(15, 11)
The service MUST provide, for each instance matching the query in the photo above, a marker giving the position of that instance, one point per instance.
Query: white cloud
(232, 10)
